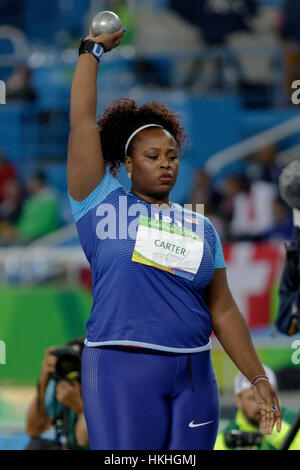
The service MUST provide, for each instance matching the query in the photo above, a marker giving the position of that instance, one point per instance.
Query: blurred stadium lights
(69, 56)
(33, 266)
(52, 257)
(37, 59)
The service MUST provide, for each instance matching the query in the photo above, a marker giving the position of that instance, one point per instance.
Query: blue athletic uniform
(167, 379)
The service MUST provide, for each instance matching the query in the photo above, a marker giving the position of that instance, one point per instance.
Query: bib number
(176, 250)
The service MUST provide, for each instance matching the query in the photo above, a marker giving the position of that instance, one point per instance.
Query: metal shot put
(105, 22)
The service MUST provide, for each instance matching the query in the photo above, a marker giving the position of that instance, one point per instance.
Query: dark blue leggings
(151, 400)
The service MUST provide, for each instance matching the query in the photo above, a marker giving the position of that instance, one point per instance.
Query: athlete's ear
(128, 163)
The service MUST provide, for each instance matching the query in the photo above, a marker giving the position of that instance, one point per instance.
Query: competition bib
(176, 250)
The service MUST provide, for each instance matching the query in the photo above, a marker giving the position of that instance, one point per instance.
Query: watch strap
(91, 47)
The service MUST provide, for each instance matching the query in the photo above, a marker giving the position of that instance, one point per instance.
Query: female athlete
(159, 280)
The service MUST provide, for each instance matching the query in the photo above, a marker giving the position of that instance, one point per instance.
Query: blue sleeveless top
(137, 302)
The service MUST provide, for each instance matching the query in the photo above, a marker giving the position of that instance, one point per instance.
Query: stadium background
(229, 88)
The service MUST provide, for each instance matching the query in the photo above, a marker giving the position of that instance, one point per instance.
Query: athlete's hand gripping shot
(159, 280)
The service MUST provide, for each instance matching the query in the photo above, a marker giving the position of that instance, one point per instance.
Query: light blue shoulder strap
(106, 186)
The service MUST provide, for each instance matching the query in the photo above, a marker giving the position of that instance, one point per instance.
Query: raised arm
(85, 165)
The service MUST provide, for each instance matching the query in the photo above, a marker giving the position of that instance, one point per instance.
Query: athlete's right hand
(108, 41)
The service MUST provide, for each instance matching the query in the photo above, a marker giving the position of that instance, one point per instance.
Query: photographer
(244, 431)
(58, 401)
(288, 318)
(287, 321)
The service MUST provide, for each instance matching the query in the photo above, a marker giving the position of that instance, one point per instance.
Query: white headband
(137, 131)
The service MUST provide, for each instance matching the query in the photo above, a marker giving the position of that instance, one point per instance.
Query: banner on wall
(253, 272)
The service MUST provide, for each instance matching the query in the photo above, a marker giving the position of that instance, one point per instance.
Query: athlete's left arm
(232, 331)
(230, 326)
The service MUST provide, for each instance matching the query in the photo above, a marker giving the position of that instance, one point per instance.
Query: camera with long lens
(68, 365)
(289, 186)
(237, 439)
(288, 319)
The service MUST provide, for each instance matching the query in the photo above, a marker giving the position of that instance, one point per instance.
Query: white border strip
(157, 347)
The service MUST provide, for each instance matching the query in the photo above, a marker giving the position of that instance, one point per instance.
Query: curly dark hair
(123, 117)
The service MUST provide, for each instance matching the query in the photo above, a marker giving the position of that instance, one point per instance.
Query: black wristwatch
(91, 47)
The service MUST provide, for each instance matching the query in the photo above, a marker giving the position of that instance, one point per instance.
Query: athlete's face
(249, 407)
(154, 165)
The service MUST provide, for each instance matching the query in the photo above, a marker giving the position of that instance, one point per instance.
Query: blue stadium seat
(12, 12)
(52, 85)
(45, 18)
(11, 131)
(57, 176)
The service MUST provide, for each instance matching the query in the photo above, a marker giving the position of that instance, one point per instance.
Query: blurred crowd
(28, 210)
(18, 85)
(246, 206)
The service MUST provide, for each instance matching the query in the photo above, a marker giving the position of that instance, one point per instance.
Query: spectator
(58, 400)
(40, 213)
(18, 86)
(264, 166)
(7, 173)
(283, 221)
(10, 209)
(231, 187)
(212, 213)
(248, 418)
(11, 206)
(203, 191)
(248, 208)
